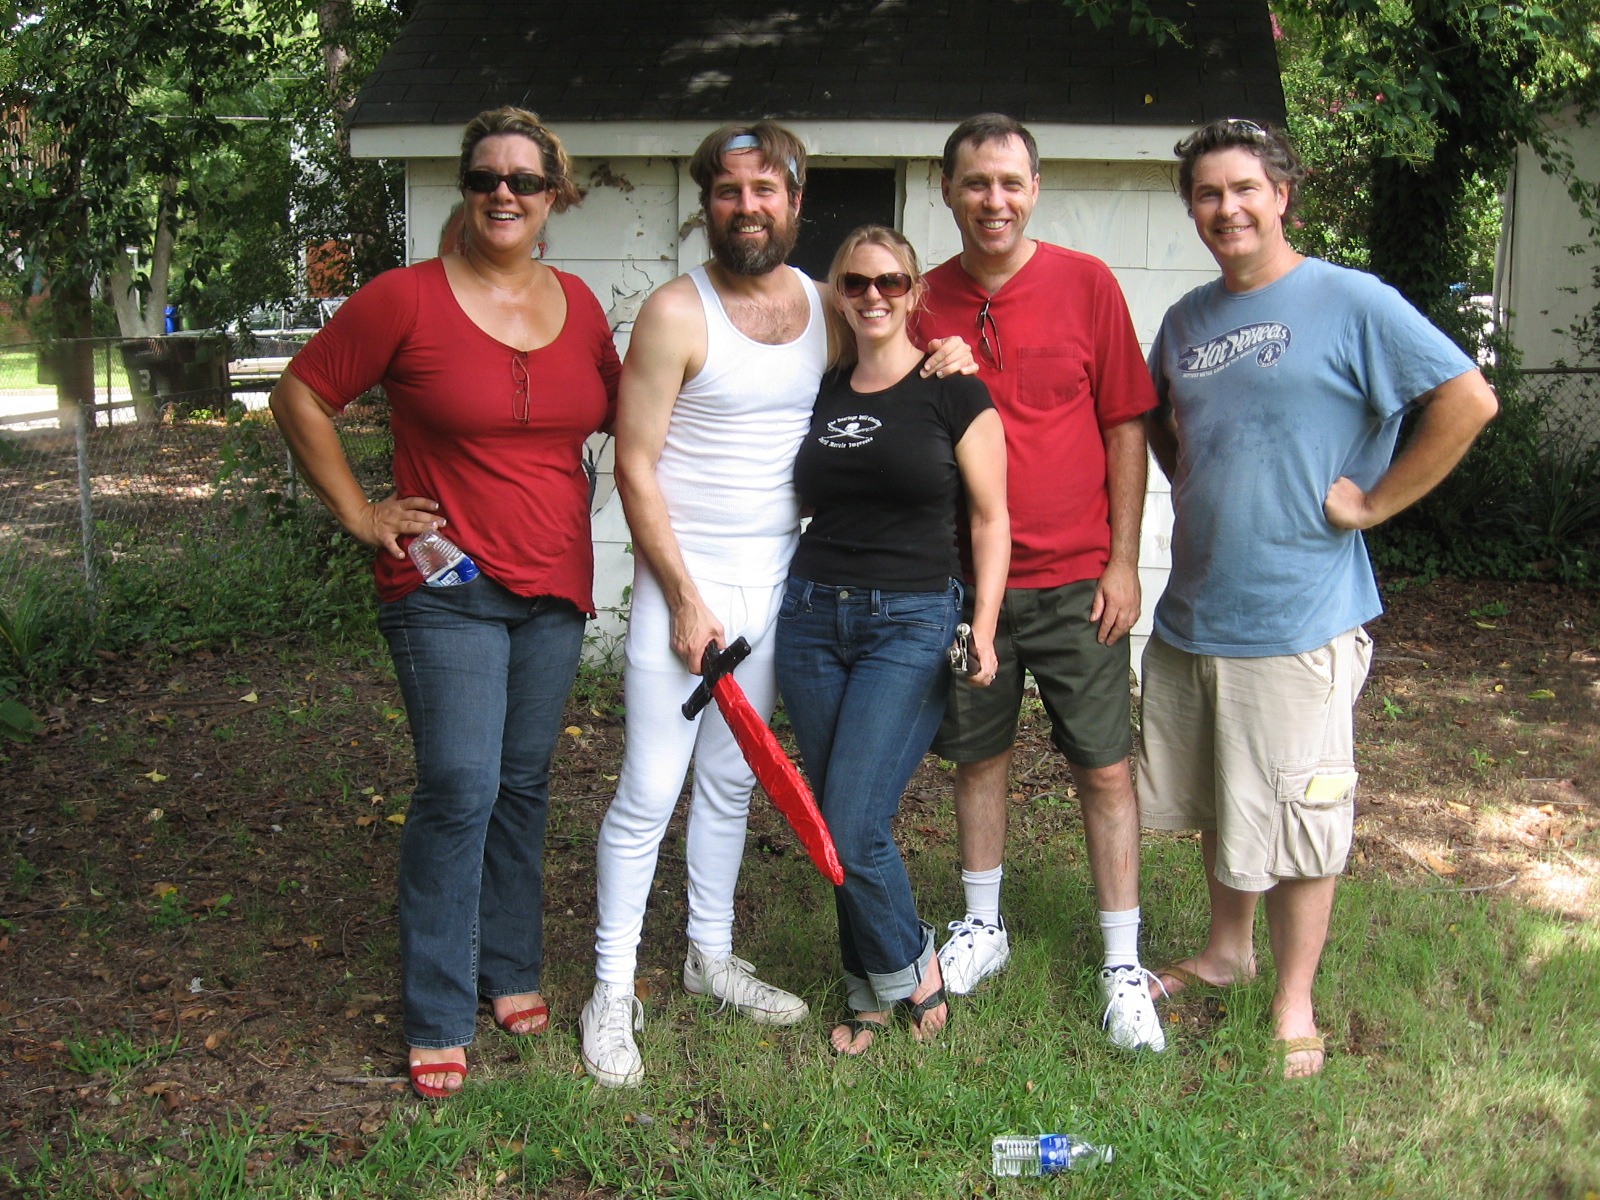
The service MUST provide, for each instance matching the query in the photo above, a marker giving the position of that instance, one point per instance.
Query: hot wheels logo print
(1266, 340)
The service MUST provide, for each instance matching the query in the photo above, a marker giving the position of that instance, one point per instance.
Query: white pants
(659, 745)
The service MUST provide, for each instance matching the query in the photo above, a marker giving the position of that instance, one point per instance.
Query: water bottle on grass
(1045, 1154)
(441, 561)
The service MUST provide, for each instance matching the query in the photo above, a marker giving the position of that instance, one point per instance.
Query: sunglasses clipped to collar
(521, 183)
(890, 284)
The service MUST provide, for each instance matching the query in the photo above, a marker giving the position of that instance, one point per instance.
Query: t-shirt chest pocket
(1049, 376)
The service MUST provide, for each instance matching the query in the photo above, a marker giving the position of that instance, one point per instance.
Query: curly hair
(557, 167)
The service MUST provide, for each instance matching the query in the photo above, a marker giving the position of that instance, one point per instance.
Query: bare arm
(668, 340)
(1116, 598)
(1162, 435)
(981, 455)
(306, 421)
(1454, 413)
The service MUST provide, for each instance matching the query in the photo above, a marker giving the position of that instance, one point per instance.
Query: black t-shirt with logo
(880, 470)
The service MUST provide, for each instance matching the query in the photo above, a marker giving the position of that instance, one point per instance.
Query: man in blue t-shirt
(1282, 386)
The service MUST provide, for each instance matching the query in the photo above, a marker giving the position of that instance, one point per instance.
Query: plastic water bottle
(1046, 1154)
(441, 561)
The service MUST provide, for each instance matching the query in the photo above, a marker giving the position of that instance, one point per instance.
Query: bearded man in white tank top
(722, 369)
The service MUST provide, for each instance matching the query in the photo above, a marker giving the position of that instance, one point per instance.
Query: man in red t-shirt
(1056, 347)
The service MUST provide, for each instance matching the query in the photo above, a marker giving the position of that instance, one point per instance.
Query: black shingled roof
(723, 60)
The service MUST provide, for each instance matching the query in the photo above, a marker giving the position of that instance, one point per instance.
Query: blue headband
(749, 141)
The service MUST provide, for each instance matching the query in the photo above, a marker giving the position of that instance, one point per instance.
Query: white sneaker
(975, 951)
(733, 981)
(1130, 1018)
(607, 1023)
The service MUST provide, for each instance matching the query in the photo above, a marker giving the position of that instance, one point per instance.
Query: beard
(740, 257)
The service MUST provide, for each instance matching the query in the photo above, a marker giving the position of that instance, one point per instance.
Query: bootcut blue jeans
(485, 675)
(863, 674)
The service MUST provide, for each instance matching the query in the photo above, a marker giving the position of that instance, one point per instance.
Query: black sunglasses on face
(890, 284)
(521, 183)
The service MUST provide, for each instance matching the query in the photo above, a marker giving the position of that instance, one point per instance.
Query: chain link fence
(1569, 399)
(86, 487)
(150, 463)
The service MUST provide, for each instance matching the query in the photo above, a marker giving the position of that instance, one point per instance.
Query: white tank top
(727, 468)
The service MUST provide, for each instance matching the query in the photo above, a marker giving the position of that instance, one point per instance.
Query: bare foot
(853, 1038)
(450, 1081)
(927, 1026)
(1169, 982)
(529, 1022)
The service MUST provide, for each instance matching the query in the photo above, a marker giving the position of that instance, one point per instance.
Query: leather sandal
(428, 1091)
(1284, 1047)
(533, 1014)
(916, 1010)
(1187, 980)
(856, 1026)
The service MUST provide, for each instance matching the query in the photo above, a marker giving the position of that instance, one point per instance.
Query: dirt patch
(198, 857)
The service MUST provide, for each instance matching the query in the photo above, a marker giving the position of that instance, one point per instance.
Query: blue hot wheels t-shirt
(1276, 393)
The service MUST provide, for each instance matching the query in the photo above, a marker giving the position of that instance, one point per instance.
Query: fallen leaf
(1485, 625)
(396, 818)
(1437, 864)
(365, 821)
(1460, 808)
(154, 776)
(1548, 810)
(163, 888)
(249, 698)
(159, 1089)
(572, 731)
(213, 1040)
(1542, 694)
(97, 700)
(154, 815)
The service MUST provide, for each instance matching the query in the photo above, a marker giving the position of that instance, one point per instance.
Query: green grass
(1464, 1063)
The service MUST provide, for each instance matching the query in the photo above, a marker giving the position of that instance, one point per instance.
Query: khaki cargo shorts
(1260, 750)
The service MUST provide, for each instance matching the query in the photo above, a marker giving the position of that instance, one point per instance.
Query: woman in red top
(497, 368)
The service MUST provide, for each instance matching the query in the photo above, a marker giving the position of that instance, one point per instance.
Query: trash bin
(177, 374)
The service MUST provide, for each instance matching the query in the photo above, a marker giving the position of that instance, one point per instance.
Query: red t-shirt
(515, 494)
(1072, 368)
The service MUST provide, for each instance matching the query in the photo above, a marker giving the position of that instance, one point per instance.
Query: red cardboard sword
(777, 775)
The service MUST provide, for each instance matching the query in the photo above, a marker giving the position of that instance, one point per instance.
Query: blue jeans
(485, 675)
(863, 675)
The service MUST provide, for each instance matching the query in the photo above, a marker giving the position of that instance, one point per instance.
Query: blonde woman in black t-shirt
(871, 608)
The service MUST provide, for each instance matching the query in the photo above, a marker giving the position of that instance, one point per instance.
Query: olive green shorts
(1045, 632)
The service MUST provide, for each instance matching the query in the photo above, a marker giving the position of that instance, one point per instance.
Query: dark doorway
(836, 200)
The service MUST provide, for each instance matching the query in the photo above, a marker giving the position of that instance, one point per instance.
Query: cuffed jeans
(863, 674)
(485, 675)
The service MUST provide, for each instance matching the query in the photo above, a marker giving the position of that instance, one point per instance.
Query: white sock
(1121, 932)
(983, 894)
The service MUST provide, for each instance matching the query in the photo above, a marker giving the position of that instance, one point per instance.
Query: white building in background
(874, 88)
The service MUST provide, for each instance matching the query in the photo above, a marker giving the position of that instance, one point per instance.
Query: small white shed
(1544, 277)
(874, 88)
